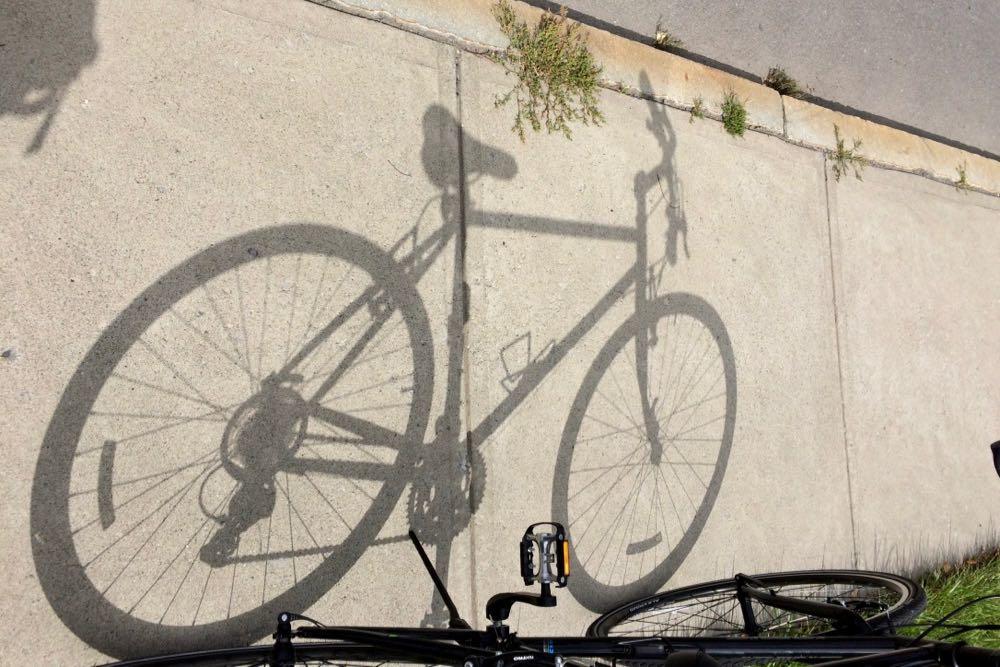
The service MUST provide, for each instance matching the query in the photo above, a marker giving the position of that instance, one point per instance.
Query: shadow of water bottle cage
(237, 437)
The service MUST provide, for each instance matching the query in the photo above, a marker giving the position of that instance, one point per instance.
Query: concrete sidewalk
(282, 284)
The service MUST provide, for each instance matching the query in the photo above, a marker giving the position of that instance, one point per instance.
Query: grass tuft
(952, 585)
(664, 40)
(779, 80)
(697, 109)
(557, 78)
(734, 114)
(963, 181)
(847, 159)
(948, 587)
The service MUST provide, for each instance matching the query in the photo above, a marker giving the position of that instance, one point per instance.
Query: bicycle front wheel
(713, 610)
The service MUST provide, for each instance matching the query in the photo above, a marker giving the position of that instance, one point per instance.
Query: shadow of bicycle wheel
(227, 449)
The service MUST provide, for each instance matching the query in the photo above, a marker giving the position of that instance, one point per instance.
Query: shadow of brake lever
(996, 455)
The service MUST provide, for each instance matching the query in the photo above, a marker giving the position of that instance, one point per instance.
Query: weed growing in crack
(846, 159)
(697, 109)
(963, 180)
(556, 76)
(734, 114)
(665, 40)
(779, 80)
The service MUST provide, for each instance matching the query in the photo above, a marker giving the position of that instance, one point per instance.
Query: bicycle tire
(119, 630)
(719, 613)
(695, 357)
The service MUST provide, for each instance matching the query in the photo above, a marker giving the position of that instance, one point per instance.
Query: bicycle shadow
(228, 412)
(236, 439)
(50, 43)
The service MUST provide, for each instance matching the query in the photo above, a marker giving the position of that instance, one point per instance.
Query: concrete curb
(640, 70)
(811, 125)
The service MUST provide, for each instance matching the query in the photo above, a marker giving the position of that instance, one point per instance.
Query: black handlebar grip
(974, 656)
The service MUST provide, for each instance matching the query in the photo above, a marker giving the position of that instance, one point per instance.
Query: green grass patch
(951, 586)
(734, 114)
(556, 75)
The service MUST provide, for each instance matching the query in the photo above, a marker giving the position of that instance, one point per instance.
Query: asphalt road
(929, 65)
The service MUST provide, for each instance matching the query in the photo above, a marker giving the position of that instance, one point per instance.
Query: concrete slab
(741, 224)
(918, 315)
(187, 224)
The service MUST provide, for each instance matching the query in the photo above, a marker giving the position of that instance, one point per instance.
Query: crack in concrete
(840, 367)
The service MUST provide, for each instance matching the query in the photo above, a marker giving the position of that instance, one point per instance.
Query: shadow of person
(48, 44)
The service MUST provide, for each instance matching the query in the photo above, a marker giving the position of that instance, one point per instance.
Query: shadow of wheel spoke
(156, 527)
(646, 514)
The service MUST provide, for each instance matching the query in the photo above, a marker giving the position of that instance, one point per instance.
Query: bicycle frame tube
(840, 615)
(643, 648)
(404, 641)
(538, 371)
(454, 644)
(748, 588)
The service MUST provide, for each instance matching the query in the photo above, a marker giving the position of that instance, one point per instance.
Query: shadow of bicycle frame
(259, 444)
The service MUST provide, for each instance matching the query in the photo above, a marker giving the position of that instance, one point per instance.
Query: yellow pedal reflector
(566, 556)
